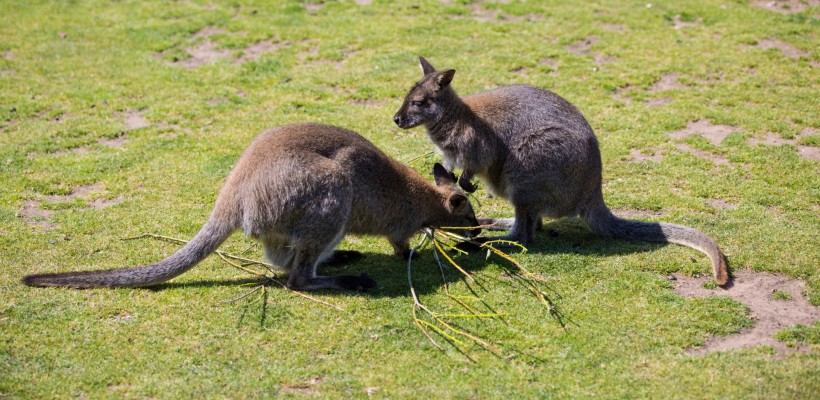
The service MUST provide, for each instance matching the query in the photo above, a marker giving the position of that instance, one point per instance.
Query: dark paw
(340, 257)
(470, 246)
(408, 255)
(468, 186)
(361, 282)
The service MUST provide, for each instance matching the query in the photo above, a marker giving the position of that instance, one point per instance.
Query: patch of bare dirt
(9, 55)
(133, 120)
(76, 150)
(481, 14)
(256, 50)
(313, 8)
(581, 47)
(636, 155)
(364, 2)
(787, 49)
(601, 59)
(754, 289)
(668, 81)
(678, 23)
(659, 102)
(613, 27)
(621, 94)
(363, 103)
(787, 6)
(717, 159)
(34, 215)
(713, 133)
(306, 388)
(629, 213)
(61, 117)
(773, 139)
(721, 204)
(116, 142)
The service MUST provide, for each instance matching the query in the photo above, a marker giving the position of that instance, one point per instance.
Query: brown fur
(535, 149)
(299, 189)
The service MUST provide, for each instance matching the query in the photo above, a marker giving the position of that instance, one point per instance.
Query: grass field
(122, 118)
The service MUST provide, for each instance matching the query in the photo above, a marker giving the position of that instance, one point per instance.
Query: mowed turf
(122, 118)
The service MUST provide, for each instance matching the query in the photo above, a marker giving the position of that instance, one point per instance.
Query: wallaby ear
(457, 202)
(443, 176)
(445, 77)
(426, 68)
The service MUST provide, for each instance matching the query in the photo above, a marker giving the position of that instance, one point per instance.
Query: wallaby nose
(397, 119)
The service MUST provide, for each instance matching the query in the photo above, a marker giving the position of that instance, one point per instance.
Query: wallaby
(535, 149)
(299, 189)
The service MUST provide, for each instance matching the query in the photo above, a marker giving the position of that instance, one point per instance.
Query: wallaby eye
(416, 103)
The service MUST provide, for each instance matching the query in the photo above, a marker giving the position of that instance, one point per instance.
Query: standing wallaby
(299, 189)
(535, 149)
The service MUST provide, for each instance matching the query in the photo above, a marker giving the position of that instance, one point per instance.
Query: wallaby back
(535, 149)
(299, 189)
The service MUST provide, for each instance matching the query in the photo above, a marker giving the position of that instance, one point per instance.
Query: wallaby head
(428, 99)
(456, 203)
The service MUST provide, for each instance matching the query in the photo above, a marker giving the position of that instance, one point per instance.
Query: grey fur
(535, 149)
(299, 189)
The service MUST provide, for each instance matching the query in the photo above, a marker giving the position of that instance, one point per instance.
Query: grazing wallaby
(298, 190)
(535, 149)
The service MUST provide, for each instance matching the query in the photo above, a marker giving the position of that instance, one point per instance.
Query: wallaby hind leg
(303, 276)
(341, 257)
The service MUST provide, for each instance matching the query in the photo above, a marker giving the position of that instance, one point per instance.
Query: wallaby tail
(212, 234)
(600, 220)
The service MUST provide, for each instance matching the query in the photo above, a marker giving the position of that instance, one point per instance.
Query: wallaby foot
(341, 257)
(343, 282)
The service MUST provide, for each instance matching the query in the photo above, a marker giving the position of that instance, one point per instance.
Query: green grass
(90, 63)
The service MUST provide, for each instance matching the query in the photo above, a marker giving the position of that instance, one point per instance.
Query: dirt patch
(364, 103)
(713, 133)
(256, 50)
(481, 14)
(754, 289)
(721, 204)
(786, 6)
(601, 59)
(613, 27)
(659, 102)
(636, 155)
(313, 8)
(76, 150)
(633, 213)
(668, 81)
(806, 152)
(717, 159)
(133, 120)
(206, 51)
(116, 142)
(786, 49)
(621, 94)
(61, 117)
(306, 388)
(9, 55)
(364, 2)
(581, 47)
(678, 23)
(35, 215)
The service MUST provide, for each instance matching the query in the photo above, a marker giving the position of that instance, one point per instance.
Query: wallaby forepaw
(361, 282)
(465, 184)
(469, 246)
(340, 257)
